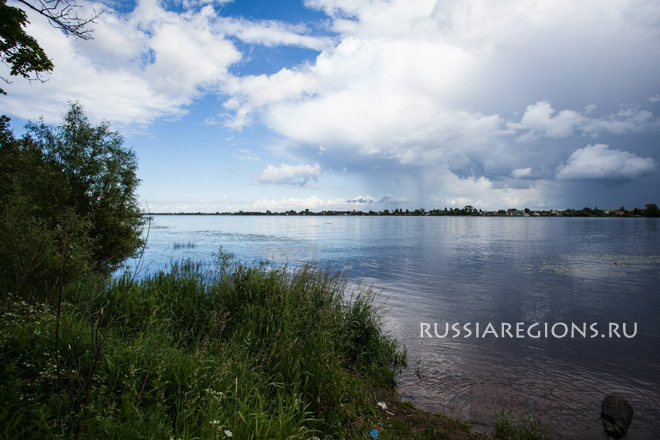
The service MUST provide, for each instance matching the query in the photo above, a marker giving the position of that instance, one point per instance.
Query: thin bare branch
(62, 15)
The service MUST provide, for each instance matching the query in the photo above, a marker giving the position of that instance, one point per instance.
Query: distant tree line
(650, 210)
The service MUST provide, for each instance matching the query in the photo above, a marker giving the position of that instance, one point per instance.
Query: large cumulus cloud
(487, 93)
(433, 102)
(600, 162)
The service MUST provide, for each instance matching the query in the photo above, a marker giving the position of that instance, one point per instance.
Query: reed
(508, 427)
(244, 351)
(188, 245)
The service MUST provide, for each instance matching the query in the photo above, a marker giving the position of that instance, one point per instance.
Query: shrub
(67, 204)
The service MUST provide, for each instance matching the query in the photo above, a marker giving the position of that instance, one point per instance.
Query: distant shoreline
(650, 210)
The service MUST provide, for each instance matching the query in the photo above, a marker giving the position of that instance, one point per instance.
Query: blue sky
(346, 104)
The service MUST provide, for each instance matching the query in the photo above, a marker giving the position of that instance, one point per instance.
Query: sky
(367, 104)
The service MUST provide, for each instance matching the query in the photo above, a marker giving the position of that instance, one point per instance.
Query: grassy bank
(246, 352)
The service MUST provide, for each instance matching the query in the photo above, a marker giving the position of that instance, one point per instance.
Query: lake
(528, 283)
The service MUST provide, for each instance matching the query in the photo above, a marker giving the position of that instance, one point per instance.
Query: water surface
(481, 270)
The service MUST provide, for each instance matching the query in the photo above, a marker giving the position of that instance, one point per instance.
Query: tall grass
(244, 351)
(507, 427)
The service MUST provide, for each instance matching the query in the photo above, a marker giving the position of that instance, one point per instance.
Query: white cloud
(521, 173)
(246, 155)
(144, 65)
(188, 54)
(424, 84)
(631, 120)
(407, 86)
(312, 203)
(379, 95)
(289, 174)
(141, 66)
(599, 162)
(316, 204)
(272, 33)
(482, 193)
(187, 4)
(541, 120)
(459, 202)
(408, 127)
(362, 200)
(253, 93)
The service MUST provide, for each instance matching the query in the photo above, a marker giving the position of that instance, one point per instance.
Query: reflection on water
(590, 266)
(486, 270)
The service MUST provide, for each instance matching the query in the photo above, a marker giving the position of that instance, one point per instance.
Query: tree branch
(62, 15)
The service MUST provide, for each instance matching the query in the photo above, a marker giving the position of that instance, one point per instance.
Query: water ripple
(482, 270)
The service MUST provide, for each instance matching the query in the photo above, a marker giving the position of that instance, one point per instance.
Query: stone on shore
(616, 414)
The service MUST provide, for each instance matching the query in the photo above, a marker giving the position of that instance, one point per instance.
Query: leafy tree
(101, 180)
(20, 51)
(652, 210)
(42, 242)
(67, 203)
(17, 49)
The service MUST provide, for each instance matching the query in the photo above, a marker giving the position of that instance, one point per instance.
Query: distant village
(650, 210)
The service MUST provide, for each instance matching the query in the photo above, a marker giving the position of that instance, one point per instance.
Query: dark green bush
(67, 204)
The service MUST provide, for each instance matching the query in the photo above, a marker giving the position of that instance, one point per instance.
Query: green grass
(246, 351)
(507, 427)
